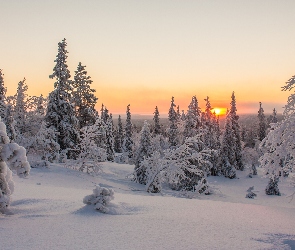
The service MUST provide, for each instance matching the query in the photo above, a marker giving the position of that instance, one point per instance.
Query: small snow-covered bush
(100, 198)
(250, 193)
(272, 187)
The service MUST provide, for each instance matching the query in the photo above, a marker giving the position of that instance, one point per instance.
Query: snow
(47, 212)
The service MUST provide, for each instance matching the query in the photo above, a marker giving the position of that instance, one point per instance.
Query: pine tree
(262, 123)
(60, 112)
(2, 98)
(273, 117)
(144, 151)
(119, 136)
(157, 126)
(236, 133)
(192, 119)
(128, 141)
(83, 97)
(173, 129)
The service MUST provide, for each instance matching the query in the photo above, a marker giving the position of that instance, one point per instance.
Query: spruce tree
(227, 152)
(157, 126)
(144, 151)
(262, 123)
(236, 133)
(83, 97)
(10, 123)
(173, 128)
(273, 117)
(119, 136)
(128, 141)
(192, 119)
(110, 139)
(2, 98)
(20, 109)
(60, 112)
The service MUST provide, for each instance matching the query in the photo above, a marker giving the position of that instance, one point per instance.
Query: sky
(144, 52)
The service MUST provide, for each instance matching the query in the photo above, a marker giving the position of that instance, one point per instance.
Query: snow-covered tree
(172, 131)
(192, 119)
(83, 97)
(280, 143)
(60, 112)
(273, 117)
(12, 157)
(128, 141)
(119, 136)
(20, 108)
(236, 133)
(144, 151)
(262, 126)
(2, 98)
(157, 126)
(92, 147)
(110, 139)
(227, 151)
(100, 198)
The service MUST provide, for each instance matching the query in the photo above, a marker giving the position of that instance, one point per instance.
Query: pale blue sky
(143, 52)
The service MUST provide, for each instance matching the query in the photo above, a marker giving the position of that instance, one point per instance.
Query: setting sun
(219, 111)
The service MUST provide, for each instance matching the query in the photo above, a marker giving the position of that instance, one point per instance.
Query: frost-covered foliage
(12, 156)
(60, 112)
(250, 157)
(83, 97)
(46, 145)
(236, 131)
(273, 117)
(92, 147)
(21, 106)
(272, 187)
(128, 141)
(160, 144)
(2, 97)
(10, 123)
(118, 136)
(144, 151)
(262, 125)
(172, 131)
(100, 198)
(157, 126)
(192, 119)
(227, 153)
(109, 142)
(250, 193)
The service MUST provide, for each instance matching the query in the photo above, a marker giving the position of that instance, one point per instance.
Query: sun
(219, 111)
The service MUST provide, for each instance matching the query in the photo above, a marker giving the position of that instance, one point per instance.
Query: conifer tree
(262, 123)
(227, 153)
(10, 123)
(119, 136)
(192, 119)
(236, 133)
(144, 151)
(273, 117)
(2, 98)
(83, 97)
(60, 112)
(128, 141)
(157, 126)
(173, 129)
(110, 139)
(20, 108)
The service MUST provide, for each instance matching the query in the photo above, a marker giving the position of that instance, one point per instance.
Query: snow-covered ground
(47, 212)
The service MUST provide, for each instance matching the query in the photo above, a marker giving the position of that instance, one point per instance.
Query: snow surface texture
(47, 212)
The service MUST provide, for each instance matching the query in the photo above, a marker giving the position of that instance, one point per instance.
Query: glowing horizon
(139, 53)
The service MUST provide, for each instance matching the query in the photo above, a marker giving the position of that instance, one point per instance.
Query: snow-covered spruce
(250, 194)
(172, 131)
(100, 198)
(128, 141)
(262, 125)
(12, 156)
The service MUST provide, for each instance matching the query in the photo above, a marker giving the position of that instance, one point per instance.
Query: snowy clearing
(47, 212)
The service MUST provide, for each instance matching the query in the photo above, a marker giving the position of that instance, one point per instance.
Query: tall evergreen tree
(119, 136)
(20, 109)
(192, 119)
(110, 139)
(128, 141)
(273, 118)
(262, 126)
(144, 151)
(173, 128)
(83, 97)
(236, 133)
(2, 98)
(60, 112)
(157, 126)
(10, 123)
